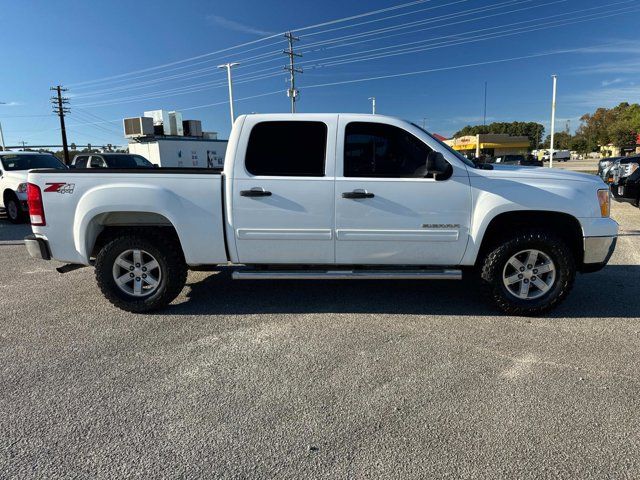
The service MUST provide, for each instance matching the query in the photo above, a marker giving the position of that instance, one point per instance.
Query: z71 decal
(60, 187)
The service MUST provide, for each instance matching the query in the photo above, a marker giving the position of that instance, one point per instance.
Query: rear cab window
(287, 149)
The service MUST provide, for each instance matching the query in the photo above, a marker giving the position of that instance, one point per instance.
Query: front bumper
(597, 252)
(624, 191)
(37, 247)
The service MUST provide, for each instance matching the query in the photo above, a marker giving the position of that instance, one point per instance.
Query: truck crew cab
(327, 196)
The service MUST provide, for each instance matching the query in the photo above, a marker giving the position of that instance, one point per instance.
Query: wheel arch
(563, 224)
(106, 226)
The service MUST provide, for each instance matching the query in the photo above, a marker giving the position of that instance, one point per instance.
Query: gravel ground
(303, 380)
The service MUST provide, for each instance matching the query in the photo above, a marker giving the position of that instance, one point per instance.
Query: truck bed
(81, 203)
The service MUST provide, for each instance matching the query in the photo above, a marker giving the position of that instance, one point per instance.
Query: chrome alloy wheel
(529, 274)
(137, 273)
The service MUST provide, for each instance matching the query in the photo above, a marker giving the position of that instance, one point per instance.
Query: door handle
(255, 192)
(358, 194)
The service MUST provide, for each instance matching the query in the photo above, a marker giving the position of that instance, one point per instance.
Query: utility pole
(2, 134)
(228, 66)
(292, 93)
(484, 121)
(553, 119)
(2, 138)
(23, 144)
(60, 109)
(373, 104)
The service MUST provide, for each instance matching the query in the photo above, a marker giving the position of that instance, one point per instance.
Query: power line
(207, 70)
(398, 50)
(190, 89)
(253, 42)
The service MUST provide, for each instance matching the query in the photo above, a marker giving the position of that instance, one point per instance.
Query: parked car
(110, 160)
(558, 155)
(604, 167)
(522, 160)
(13, 179)
(327, 196)
(625, 185)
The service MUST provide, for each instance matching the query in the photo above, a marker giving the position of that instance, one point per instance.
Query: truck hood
(537, 173)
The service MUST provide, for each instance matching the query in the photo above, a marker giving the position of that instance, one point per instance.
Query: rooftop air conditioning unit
(192, 128)
(138, 127)
(175, 124)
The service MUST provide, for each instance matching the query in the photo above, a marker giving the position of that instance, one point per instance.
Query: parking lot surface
(301, 380)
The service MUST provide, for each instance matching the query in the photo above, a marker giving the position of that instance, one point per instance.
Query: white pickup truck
(327, 196)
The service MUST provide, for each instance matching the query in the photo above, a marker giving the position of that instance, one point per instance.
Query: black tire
(493, 265)
(171, 263)
(13, 209)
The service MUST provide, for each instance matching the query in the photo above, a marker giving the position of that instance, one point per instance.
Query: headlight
(22, 188)
(604, 199)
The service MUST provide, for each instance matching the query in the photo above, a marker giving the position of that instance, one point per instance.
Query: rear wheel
(530, 273)
(139, 273)
(12, 206)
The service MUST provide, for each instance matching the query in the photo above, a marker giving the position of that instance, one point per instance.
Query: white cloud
(623, 47)
(604, 97)
(615, 81)
(217, 20)
(626, 66)
(10, 104)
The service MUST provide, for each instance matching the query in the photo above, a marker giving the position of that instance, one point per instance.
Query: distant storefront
(490, 144)
(612, 151)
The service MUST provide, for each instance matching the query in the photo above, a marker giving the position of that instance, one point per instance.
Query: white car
(327, 196)
(13, 179)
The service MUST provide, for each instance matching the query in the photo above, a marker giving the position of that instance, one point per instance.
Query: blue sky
(591, 45)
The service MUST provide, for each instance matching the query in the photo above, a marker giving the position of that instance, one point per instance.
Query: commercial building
(490, 144)
(166, 140)
(611, 150)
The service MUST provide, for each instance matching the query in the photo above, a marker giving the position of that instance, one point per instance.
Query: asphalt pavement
(298, 380)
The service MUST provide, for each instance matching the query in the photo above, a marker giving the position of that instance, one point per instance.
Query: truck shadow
(609, 293)
(12, 233)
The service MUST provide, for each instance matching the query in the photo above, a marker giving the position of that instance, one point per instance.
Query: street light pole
(228, 67)
(2, 138)
(373, 104)
(553, 119)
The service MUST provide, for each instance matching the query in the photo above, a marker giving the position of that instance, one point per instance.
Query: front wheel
(530, 273)
(140, 273)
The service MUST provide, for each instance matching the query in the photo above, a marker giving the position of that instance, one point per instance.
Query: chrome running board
(447, 274)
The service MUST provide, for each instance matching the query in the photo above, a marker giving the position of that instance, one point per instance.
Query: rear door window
(287, 148)
(81, 162)
(97, 162)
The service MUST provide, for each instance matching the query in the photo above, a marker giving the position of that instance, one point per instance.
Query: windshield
(29, 161)
(457, 154)
(127, 161)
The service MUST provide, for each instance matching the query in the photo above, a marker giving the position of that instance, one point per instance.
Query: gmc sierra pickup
(327, 196)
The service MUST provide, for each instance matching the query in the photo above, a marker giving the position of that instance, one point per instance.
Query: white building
(167, 141)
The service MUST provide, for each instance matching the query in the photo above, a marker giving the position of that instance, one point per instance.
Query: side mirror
(437, 165)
